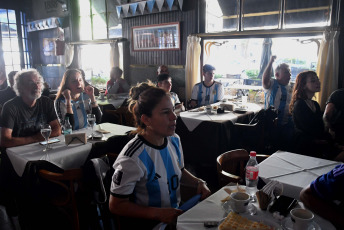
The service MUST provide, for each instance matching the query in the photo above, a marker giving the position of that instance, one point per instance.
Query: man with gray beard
(23, 115)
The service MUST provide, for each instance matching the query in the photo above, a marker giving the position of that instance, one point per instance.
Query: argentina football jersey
(149, 173)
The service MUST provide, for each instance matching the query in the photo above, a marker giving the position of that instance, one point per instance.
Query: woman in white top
(75, 101)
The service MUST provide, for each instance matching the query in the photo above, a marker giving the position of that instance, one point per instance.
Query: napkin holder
(75, 138)
(227, 106)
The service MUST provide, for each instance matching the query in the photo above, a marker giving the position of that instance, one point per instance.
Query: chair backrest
(124, 116)
(65, 181)
(231, 166)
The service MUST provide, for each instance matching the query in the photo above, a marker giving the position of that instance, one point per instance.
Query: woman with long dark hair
(310, 135)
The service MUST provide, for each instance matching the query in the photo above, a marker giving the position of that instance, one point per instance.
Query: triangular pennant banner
(119, 8)
(142, 6)
(180, 4)
(150, 5)
(125, 9)
(133, 7)
(170, 3)
(160, 3)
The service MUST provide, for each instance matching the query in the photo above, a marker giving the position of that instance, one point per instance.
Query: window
(15, 57)
(98, 20)
(95, 61)
(224, 15)
(240, 66)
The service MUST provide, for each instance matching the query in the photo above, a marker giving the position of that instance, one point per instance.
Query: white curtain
(69, 54)
(192, 66)
(114, 54)
(328, 66)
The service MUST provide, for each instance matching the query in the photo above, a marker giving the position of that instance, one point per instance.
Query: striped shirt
(279, 96)
(203, 94)
(151, 173)
(79, 110)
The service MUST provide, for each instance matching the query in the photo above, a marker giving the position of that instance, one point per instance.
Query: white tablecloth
(111, 101)
(65, 157)
(294, 171)
(193, 118)
(210, 210)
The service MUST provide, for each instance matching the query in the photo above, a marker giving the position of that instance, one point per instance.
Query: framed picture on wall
(156, 37)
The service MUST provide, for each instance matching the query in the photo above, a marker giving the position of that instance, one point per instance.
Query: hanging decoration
(147, 7)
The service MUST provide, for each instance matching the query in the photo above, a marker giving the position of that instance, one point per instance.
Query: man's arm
(328, 115)
(267, 72)
(55, 128)
(8, 141)
(325, 209)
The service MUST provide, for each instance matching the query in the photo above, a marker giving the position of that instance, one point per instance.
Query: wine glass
(91, 118)
(46, 131)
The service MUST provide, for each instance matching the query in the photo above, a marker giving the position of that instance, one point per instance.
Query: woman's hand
(89, 90)
(66, 93)
(203, 189)
(168, 215)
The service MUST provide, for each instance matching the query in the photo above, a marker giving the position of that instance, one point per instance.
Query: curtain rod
(312, 30)
(104, 41)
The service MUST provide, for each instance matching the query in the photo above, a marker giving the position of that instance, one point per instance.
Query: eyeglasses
(32, 83)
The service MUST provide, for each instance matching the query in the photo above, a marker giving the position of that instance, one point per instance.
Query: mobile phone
(51, 141)
(283, 205)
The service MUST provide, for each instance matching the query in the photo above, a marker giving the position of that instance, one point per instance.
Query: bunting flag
(119, 9)
(180, 4)
(133, 7)
(170, 3)
(150, 5)
(160, 3)
(142, 6)
(125, 9)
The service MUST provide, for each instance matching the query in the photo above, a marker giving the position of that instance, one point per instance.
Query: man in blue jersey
(278, 94)
(324, 196)
(208, 91)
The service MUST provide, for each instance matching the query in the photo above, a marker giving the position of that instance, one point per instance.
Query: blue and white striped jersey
(204, 95)
(151, 173)
(279, 96)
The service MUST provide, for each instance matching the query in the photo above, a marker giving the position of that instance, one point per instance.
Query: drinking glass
(87, 106)
(46, 131)
(91, 118)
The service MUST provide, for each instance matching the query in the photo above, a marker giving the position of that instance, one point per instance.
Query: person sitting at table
(334, 115)
(146, 184)
(70, 100)
(165, 82)
(116, 84)
(278, 94)
(6, 92)
(162, 70)
(208, 91)
(96, 90)
(23, 115)
(310, 136)
(324, 196)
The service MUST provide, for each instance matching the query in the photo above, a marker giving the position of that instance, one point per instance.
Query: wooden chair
(124, 116)
(231, 166)
(65, 199)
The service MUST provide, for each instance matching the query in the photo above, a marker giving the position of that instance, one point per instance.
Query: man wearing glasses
(208, 91)
(22, 116)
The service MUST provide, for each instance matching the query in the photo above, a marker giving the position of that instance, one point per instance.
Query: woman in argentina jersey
(148, 171)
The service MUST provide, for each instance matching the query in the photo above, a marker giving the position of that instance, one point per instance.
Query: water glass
(46, 131)
(91, 118)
